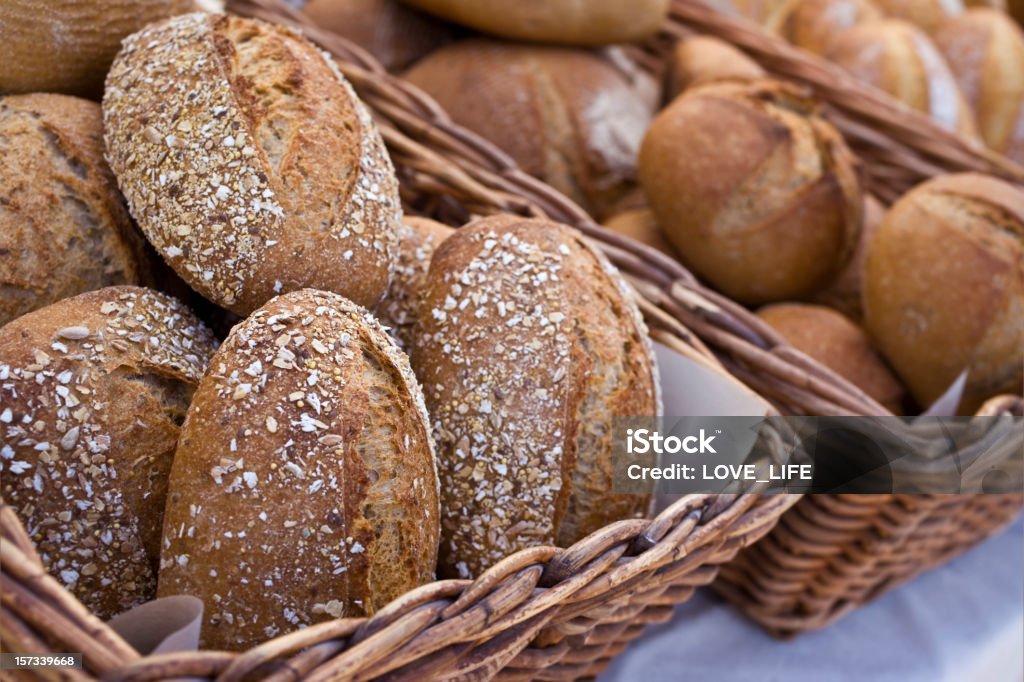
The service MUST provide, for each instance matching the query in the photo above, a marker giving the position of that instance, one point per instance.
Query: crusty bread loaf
(92, 392)
(641, 224)
(571, 117)
(702, 59)
(304, 486)
(249, 163)
(397, 311)
(814, 24)
(528, 345)
(845, 292)
(838, 343)
(944, 288)
(765, 202)
(927, 14)
(985, 50)
(395, 34)
(900, 59)
(67, 45)
(64, 228)
(563, 22)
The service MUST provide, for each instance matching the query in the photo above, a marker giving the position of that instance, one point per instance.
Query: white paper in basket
(161, 626)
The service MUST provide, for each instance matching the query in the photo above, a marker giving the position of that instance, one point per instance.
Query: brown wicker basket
(544, 613)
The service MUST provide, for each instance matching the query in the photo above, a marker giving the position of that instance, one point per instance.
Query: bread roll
(92, 392)
(767, 13)
(571, 117)
(393, 33)
(397, 310)
(926, 14)
(814, 24)
(641, 225)
(528, 345)
(996, 4)
(67, 45)
(64, 228)
(304, 486)
(765, 203)
(900, 59)
(838, 343)
(985, 50)
(944, 288)
(845, 291)
(702, 59)
(249, 162)
(564, 22)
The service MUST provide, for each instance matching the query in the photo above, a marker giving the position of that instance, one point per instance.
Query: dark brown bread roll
(528, 345)
(249, 163)
(571, 117)
(944, 288)
(304, 486)
(393, 33)
(92, 392)
(64, 228)
(765, 203)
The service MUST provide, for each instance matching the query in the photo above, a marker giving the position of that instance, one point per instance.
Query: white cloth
(962, 622)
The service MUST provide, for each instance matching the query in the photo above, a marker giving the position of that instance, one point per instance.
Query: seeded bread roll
(249, 163)
(393, 33)
(927, 14)
(944, 288)
(563, 22)
(419, 237)
(845, 292)
(702, 59)
(92, 392)
(814, 24)
(64, 228)
(838, 343)
(900, 59)
(67, 45)
(528, 345)
(304, 487)
(985, 50)
(766, 203)
(571, 117)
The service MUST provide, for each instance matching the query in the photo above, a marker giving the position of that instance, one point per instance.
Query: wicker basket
(543, 613)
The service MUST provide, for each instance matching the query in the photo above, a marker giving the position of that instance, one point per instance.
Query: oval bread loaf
(93, 390)
(249, 162)
(528, 345)
(304, 487)
(64, 228)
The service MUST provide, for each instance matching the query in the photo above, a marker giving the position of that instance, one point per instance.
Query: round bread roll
(926, 14)
(304, 486)
(767, 13)
(64, 228)
(985, 50)
(393, 33)
(944, 288)
(814, 24)
(766, 203)
(92, 392)
(571, 117)
(419, 237)
(249, 163)
(702, 59)
(900, 59)
(529, 343)
(839, 344)
(564, 22)
(67, 45)
(641, 225)
(845, 292)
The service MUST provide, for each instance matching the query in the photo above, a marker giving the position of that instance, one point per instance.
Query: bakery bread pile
(397, 399)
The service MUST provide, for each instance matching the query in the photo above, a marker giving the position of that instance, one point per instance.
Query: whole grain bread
(64, 228)
(249, 162)
(93, 390)
(528, 345)
(304, 486)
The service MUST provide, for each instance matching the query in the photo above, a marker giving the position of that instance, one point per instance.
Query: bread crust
(308, 400)
(702, 59)
(64, 228)
(528, 343)
(92, 392)
(814, 24)
(249, 162)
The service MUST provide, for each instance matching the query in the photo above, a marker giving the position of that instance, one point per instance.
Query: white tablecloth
(963, 622)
